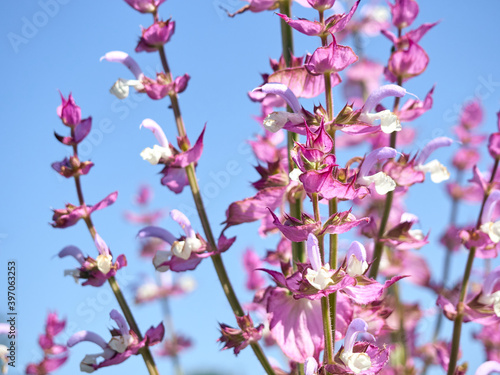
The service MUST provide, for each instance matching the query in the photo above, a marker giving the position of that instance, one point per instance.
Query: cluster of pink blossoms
(315, 287)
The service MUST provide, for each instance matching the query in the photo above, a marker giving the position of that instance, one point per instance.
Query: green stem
(447, 259)
(195, 190)
(286, 32)
(325, 301)
(457, 325)
(379, 246)
(145, 352)
(325, 310)
(298, 248)
(332, 204)
(170, 330)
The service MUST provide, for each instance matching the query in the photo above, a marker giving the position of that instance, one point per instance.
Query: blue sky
(47, 47)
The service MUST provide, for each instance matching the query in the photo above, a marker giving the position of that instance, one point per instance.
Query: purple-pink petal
(380, 94)
(313, 252)
(87, 336)
(154, 335)
(358, 250)
(430, 147)
(82, 129)
(294, 230)
(102, 247)
(374, 157)
(108, 201)
(356, 327)
(74, 252)
(157, 131)
(184, 222)
(157, 232)
(296, 325)
(192, 155)
(488, 367)
(175, 179)
(120, 321)
(125, 59)
(301, 82)
(254, 208)
(284, 92)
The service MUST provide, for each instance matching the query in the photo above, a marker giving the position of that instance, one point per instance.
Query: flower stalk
(145, 352)
(457, 325)
(195, 190)
(298, 248)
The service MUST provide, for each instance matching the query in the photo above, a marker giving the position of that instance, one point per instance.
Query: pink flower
(81, 130)
(155, 89)
(471, 115)
(380, 180)
(55, 355)
(333, 24)
(72, 167)
(407, 63)
(494, 141)
(151, 290)
(488, 368)
(296, 325)
(403, 13)
(256, 207)
(256, 6)
(359, 357)
(70, 215)
(282, 119)
(172, 347)
(389, 122)
(145, 6)
(155, 36)
(330, 59)
(69, 112)
(174, 174)
(186, 252)
(251, 263)
(490, 338)
(95, 271)
(124, 343)
(239, 339)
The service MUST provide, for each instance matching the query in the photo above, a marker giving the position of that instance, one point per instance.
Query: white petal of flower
(492, 230)
(389, 122)
(383, 183)
(320, 279)
(295, 174)
(356, 267)
(187, 283)
(120, 343)
(357, 362)
(104, 263)
(417, 234)
(147, 291)
(87, 362)
(74, 273)
(193, 243)
(181, 250)
(496, 306)
(437, 170)
(120, 89)
(153, 155)
(276, 120)
(161, 257)
(492, 299)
